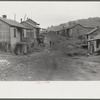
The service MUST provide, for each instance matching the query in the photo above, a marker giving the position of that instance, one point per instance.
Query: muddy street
(51, 66)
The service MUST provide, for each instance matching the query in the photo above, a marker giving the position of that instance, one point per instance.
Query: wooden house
(76, 30)
(93, 40)
(58, 31)
(34, 33)
(11, 33)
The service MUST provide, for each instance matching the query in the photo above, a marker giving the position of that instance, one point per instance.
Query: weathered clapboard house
(12, 33)
(76, 29)
(34, 33)
(93, 40)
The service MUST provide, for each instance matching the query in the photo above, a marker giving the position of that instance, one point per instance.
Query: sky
(48, 13)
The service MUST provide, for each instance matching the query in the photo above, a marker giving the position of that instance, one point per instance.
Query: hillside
(58, 27)
(93, 22)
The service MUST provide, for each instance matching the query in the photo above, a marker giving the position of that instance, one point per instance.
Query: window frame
(15, 31)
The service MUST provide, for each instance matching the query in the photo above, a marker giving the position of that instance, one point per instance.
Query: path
(50, 66)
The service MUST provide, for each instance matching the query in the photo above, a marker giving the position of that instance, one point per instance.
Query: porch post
(95, 45)
(88, 51)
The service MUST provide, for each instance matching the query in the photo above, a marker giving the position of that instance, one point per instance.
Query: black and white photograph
(49, 41)
(49, 50)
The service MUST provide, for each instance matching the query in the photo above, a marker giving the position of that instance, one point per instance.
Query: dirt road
(51, 66)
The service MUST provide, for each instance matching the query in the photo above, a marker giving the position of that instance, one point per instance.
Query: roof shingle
(12, 23)
(76, 25)
(31, 24)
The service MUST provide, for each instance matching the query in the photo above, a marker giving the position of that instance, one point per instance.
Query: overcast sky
(50, 13)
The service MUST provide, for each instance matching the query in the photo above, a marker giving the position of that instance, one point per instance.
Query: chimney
(4, 16)
(21, 20)
(98, 26)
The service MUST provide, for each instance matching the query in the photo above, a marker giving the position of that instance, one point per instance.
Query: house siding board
(4, 32)
(33, 32)
(16, 39)
(80, 30)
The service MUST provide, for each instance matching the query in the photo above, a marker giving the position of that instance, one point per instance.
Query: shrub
(75, 52)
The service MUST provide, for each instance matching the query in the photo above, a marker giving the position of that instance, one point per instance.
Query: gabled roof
(12, 23)
(31, 24)
(93, 31)
(58, 29)
(76, 25)
(32, 21)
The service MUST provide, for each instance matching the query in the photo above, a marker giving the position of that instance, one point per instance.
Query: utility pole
(15, 17)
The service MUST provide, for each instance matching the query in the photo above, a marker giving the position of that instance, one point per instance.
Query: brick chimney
(4, 16)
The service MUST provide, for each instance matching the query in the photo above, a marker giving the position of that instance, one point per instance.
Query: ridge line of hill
(92, 22)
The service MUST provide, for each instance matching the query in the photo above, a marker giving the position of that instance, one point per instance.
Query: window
(24, 35)
(14, 33)
(98, 41)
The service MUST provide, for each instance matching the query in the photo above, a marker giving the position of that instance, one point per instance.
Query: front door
(21, 35)
(98, 44)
